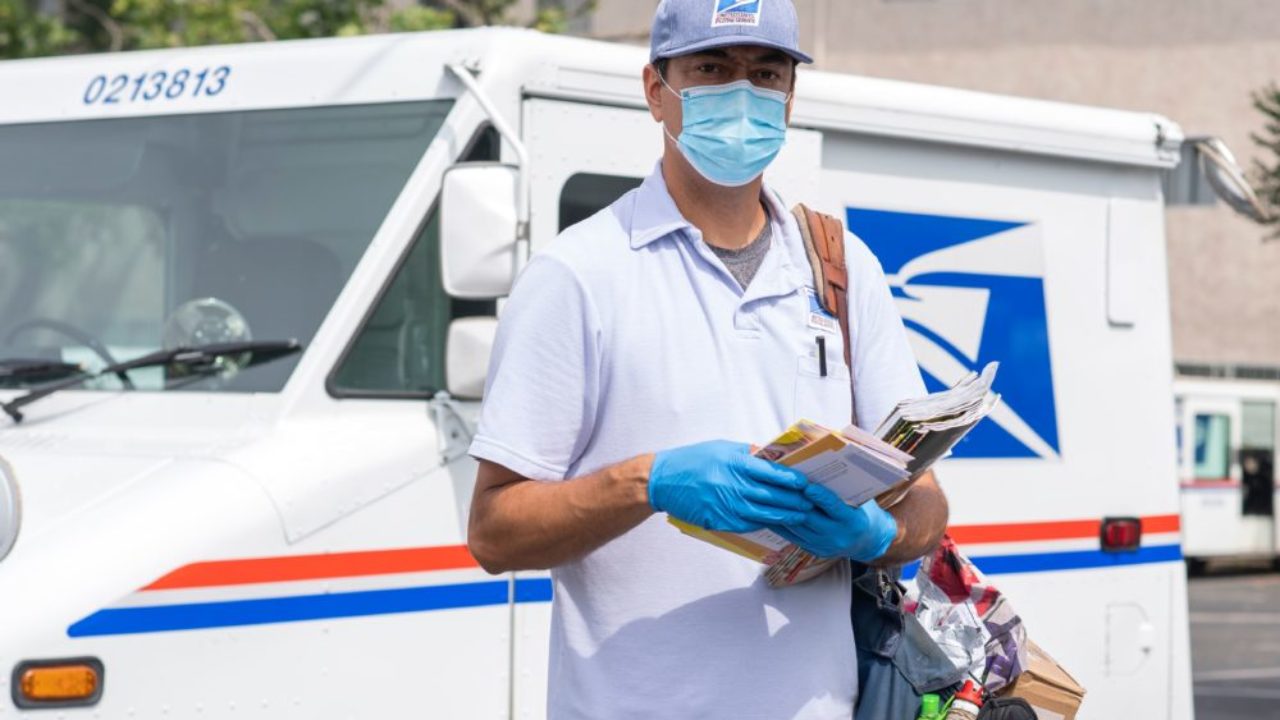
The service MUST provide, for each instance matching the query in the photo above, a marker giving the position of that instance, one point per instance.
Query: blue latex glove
(718, 485)
(834, 529)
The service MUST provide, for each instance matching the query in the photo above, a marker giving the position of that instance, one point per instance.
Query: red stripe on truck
(316, 567)
(1057, 530)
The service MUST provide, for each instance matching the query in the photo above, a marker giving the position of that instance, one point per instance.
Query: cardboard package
(1051, 690)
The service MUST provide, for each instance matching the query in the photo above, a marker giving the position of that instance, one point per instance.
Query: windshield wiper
(24, 370)
(196, 360)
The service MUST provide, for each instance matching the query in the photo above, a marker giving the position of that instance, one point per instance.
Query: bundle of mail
(860, 466)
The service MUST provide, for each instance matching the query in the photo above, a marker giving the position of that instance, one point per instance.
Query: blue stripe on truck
(231, 613)
(1068, 560)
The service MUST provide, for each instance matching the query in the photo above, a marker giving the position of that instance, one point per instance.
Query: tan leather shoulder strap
(824, 242)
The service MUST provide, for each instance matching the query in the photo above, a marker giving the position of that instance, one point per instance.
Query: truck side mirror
(467, 355)
(478, 229)
(1208, 169)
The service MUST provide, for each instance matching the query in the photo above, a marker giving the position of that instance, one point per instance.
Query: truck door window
(1213, 447)
(1259, 425)
(585, 194)
(400, 349)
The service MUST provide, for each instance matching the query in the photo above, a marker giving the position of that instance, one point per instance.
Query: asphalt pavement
(1235, 643)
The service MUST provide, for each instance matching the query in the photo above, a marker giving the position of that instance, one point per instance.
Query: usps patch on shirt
(819, 318)
(736, 12)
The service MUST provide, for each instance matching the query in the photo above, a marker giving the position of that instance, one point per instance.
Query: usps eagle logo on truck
(971, 291)
(736, 12)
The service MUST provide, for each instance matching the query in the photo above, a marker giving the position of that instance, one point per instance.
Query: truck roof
(410, 66)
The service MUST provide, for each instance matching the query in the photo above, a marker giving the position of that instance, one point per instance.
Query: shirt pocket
(824, 399)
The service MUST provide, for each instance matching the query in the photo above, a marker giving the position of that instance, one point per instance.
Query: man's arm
(922, 519)
(519, 524)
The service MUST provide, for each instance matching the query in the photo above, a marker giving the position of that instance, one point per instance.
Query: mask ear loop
(679, 97)
(668, 86)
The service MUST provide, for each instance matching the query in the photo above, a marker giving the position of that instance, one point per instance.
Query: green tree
(145, 24)
(86, 26)
(25, 33)
(1267, 173)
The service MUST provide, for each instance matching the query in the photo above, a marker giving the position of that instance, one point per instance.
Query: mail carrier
(253, 290)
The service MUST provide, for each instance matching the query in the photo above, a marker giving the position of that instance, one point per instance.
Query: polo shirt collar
(656, 216)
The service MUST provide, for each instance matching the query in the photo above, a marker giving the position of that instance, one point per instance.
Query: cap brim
(726, 41)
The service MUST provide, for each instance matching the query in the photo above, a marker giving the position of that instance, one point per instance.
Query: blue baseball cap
(682, 27)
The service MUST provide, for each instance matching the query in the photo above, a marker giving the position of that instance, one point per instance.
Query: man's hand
(834, 529)
(719, 485)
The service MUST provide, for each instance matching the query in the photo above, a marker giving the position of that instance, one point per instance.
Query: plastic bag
(955, 626)
(969, 618)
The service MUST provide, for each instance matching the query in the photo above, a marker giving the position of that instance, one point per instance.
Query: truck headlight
(10, 509)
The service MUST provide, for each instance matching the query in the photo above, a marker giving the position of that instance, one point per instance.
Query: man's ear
(653, 92)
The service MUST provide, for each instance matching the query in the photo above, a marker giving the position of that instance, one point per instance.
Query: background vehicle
(285, 536)
(1227, 468)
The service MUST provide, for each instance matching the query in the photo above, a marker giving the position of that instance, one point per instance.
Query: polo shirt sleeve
(884, 367)
(542, 390)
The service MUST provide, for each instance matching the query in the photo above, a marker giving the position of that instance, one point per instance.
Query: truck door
(583, 157)
(1215, 500)
(1257, 457)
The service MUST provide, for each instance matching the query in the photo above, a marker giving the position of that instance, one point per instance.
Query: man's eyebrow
(767, 56)
(773, 57)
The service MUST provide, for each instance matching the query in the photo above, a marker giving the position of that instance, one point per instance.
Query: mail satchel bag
(897, 660)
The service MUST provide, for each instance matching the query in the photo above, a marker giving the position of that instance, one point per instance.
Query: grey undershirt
(743, 263)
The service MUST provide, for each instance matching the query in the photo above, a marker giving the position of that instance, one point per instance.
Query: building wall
(1196, 61)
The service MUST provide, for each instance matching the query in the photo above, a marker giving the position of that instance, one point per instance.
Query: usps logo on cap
(736, 12)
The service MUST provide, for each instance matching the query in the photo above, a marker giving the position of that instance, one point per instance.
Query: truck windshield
(125, 236)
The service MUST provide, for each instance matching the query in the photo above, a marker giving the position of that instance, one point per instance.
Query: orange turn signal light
(58, 683)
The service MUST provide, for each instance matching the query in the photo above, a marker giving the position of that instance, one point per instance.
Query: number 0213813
(157, 85)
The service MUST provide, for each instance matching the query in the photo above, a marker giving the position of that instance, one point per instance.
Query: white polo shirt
(627, 335)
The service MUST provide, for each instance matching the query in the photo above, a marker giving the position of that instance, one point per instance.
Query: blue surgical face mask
(731, 132)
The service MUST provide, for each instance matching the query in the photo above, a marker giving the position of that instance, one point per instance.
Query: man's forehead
(742, 53)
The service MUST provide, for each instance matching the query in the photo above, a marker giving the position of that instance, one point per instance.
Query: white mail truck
(1227, 440)
(247, 296)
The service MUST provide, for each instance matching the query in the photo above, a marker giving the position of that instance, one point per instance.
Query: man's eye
(771, 78)
(708, 69)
